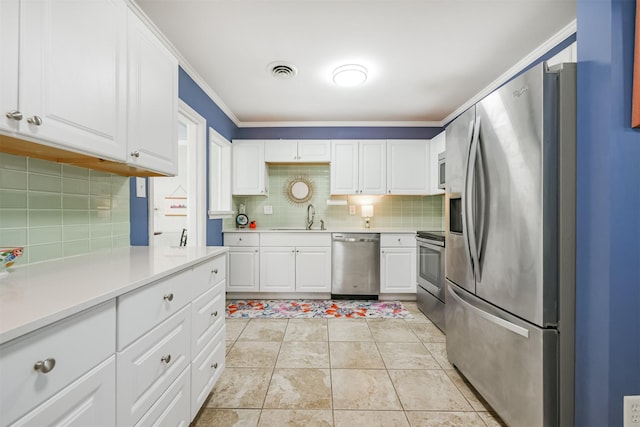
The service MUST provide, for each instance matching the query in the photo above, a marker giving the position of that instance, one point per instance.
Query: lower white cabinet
(206, 368)
(244, 269)
(398, 263)
(313, 269)
(173, 408)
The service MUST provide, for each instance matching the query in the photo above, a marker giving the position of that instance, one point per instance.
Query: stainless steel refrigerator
(510, 236)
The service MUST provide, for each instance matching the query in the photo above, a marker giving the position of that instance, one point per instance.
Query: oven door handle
(438, 245)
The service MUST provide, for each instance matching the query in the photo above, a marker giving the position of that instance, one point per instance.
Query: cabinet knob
(214, 365)
(399, 240)
(389, 191)
(45, 365)
(135, 153)
(215, 313)
(34, 120)
(214, 271)
(168, 297)
(239, 239)
(256, 250)
(14, 115)
(166, 359)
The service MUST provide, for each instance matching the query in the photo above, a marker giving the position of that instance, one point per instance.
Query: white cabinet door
(206, 368)
(244, 269)
(277, 269)
(9, 19)
(313, 269)
(314, 151)
(72, 91)
(249, 168)
(152, 101)
(372, 165)
(89, 401)
(436, 146)
(281, 150)
(398, 270)
(408, 167)
(344, 167)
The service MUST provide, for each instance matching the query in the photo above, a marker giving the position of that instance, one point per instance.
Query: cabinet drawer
(142, 309)
(89, 401)
(242, 239)
(207, 275)
(206, 368)
(398, 240)
(76, 345)
(151, 364)
(207, 317)
(173, 407)
(303, 238)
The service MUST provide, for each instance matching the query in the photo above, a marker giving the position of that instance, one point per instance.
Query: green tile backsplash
(57, 210)
(419, 212)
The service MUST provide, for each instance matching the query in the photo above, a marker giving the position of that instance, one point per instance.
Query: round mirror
(299, 189)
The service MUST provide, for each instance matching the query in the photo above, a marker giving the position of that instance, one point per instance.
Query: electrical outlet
(631, 411)
(268, 210)
(352, 209)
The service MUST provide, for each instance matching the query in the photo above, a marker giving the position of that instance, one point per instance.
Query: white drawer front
(77, 344)
(303, 238)
(174, 406)
(207, 275)
(398, 240)
(89, 401)
(206, 368)
(142, 309)
(147, 368)
(207, 317)
(242, 239)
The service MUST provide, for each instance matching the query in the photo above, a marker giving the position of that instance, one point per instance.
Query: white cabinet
(249, 168)
(313, 269)
(436, 146)
(408, 167)
(297, 151)
(244, 261)
(278, 269)
(71, 89)
(50, 388)
(152, 129)
(398, 263)
(358, 167)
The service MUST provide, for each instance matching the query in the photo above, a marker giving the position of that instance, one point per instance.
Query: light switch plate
(268, 210)
(141, 187)
(352, 209)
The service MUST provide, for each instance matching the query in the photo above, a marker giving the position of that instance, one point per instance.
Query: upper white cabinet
(297, 151)
(408, 167)
(358, 167)
(152, 101)
(436, 146)
(249, 168)
(69, 90)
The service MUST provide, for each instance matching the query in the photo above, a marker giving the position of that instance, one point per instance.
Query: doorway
(177, 204)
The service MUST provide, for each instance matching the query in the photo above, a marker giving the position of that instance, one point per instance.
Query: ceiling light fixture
(350, 75)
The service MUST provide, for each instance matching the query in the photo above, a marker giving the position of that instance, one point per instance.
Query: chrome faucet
(311, 213)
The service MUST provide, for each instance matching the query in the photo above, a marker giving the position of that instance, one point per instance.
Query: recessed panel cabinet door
(9, 21)
(73, 74)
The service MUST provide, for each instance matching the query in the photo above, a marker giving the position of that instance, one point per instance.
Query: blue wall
(608, 218)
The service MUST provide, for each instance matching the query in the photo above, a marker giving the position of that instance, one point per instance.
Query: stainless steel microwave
(441, 168)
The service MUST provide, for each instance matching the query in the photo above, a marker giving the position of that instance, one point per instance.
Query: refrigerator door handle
(470, 206)
(481, 208)
(490, 317)
(465, 225)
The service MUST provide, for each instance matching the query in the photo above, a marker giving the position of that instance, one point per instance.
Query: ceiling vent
(281, 70)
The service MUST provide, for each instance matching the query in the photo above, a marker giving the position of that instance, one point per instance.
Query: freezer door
(516, 183)
(457, 257)
(510, 362)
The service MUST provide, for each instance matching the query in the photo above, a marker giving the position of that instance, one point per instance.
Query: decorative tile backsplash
(57, 210)
(419, 212)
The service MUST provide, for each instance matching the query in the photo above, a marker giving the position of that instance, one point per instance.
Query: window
(219, 176)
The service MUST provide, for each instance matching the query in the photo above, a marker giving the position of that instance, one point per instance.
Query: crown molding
(340, 124)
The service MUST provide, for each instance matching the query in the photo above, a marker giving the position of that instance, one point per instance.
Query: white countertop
(39, 294)
(330, 230)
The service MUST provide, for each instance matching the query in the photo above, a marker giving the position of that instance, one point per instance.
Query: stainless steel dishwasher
(355, 265)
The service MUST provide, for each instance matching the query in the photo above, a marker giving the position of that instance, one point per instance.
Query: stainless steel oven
(431, 279)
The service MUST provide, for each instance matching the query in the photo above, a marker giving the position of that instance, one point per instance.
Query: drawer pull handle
(45, 365)
(214, 271)
(168, 297)
(215, 313)
(215, 365)
(166, 359)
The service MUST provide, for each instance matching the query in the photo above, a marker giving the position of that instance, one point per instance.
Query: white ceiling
(426, 59)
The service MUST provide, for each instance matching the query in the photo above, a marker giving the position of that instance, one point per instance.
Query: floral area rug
(300, 309)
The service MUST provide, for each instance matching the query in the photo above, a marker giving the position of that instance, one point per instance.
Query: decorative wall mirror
(298, 189)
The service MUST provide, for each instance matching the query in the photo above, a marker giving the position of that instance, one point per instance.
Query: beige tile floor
(341, 372)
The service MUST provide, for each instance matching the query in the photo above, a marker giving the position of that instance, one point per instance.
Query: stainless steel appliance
(442, 170)
(355, 265)
(510, 233)
(430, 293)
